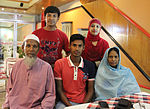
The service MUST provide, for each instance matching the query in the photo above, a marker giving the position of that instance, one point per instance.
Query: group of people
(43, 75)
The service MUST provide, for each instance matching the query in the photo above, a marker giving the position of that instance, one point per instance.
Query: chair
(9, 65)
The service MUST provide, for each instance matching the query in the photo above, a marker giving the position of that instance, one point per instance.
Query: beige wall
(79, 18)
(24, 30)
(137, 10)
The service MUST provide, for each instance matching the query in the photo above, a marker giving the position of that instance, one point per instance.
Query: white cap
(31, 36)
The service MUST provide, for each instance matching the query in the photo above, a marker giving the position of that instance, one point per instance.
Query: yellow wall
(137, 10)
(23, 31)
(79, 18)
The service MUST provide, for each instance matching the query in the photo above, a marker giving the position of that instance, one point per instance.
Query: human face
(76, 48)
(113, 59)
(51, 19)
(95, 29)
(31, 48)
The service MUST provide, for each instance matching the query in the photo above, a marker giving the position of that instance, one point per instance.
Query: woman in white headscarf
(112, 79)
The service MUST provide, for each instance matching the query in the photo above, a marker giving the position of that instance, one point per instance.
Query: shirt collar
(71, 63)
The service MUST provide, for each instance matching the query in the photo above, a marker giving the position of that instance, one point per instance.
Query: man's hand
(97, 63)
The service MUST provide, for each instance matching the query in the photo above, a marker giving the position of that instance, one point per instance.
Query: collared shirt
(31, 88)
(74, 77)
(75, 67)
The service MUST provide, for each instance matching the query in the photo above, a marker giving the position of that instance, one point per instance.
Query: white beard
(29, 61)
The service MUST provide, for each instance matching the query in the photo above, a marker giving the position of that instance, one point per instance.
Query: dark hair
(115, 49)
(77, 37)
(52, 9)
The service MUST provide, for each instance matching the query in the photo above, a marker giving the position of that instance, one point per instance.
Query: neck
(93, 37)
(75, 60)
(50, 28)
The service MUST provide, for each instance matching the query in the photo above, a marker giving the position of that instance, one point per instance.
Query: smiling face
(51, 19)
(113, 59)
(94, 29)
(76, 48)
(31, 48)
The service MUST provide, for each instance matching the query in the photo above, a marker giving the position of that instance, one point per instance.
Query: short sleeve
(58, 69)
(92, 72)
(66, 43)
(90, 68)
(36, 32)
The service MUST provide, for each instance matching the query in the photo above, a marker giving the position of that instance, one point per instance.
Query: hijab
(92, 52)
(114, 82)
(89, 35)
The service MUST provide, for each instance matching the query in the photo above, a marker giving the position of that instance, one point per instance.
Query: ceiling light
(42, 8)
(2, 9)
(21, 4)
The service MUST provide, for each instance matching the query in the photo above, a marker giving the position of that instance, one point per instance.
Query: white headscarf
(113, 82)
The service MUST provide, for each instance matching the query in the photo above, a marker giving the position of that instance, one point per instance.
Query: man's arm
(61, 93)
(8, 89)
(48, 101)
(6, 104)
(90, 92)
(97, 63)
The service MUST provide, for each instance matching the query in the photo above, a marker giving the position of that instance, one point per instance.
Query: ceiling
(29, 6)
(32, 7)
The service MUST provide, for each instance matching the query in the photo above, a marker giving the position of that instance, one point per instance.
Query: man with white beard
(31, 83)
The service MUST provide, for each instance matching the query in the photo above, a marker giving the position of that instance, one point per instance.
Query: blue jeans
(61, 105)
